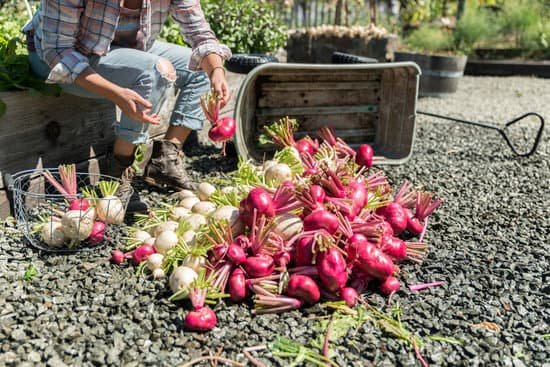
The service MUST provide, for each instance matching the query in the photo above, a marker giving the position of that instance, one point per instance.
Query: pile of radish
(81, 218)
(315, 223)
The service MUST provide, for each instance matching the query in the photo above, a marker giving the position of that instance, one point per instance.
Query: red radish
(141, 253)
(395, 214)
(387, 229)
(358, 194)
(332, 269)
(310, 172)
(222, 130)
(235, 254)
(259, 266)
(351, 247)
(306, 145)
(304, 288)
(321, 219)
(364, 155)
(389, 286)
(414, 226)
(359, 282)
(242, 241)
(219, 250)
(117, 257)
(282, 259)
(333, 184)
(304, 251)
(98, 232)
(317, 193)
(79, 204)
(203, 319)
(394, 247)
(400, 250)
(260, 200)
(237, 285)
(374, 262)
(350, 296)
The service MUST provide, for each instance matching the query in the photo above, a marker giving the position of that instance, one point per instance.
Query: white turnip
(181, 278)
(205, 190)
(166, 241)
(204, 208)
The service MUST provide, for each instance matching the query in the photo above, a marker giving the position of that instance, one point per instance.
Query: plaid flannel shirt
(64, 32)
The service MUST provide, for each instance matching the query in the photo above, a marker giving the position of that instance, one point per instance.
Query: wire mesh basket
(53, 222)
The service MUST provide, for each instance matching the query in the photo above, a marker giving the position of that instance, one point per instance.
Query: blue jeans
(139, 71)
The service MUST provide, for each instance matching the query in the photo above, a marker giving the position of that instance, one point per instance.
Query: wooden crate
(365, 103)
(39, 131)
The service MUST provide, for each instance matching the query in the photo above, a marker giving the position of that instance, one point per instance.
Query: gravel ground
(490, 246)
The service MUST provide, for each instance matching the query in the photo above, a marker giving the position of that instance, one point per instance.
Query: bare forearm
(95, 83)
(210, 62)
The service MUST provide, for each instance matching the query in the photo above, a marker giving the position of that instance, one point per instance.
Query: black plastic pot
(440, 74)
(244, 63)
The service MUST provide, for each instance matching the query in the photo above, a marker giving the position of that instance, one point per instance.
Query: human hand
(219, 85)
(135, 106)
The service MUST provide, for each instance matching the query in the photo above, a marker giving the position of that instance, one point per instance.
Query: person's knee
(166, 69)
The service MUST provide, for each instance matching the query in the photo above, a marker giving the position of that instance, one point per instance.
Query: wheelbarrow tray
(364, 103)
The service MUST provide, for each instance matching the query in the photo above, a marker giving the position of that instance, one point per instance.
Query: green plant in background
(16, 74)
(474, 27)
(246, 26)
(430, 39)
(527, 21)
(170, 32)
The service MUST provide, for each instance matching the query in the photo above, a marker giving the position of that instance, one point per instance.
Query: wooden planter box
(39, 131)
(315, 46)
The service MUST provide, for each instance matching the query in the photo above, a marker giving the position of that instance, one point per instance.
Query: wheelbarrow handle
(501, 131)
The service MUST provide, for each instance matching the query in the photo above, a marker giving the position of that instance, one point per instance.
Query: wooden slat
(314, 122)
(316, 110)
(318, 85)
(4, 204)
(316, 98)
(332, 76)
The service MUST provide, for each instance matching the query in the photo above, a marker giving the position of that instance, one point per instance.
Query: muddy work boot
(166, 167)
(121, 167)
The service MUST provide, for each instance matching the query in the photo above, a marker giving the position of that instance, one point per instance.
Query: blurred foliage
(474, 28)
(16, 74)
(430, 39)
(246, 26)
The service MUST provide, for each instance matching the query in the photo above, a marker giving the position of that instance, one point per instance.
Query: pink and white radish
(98, 233)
